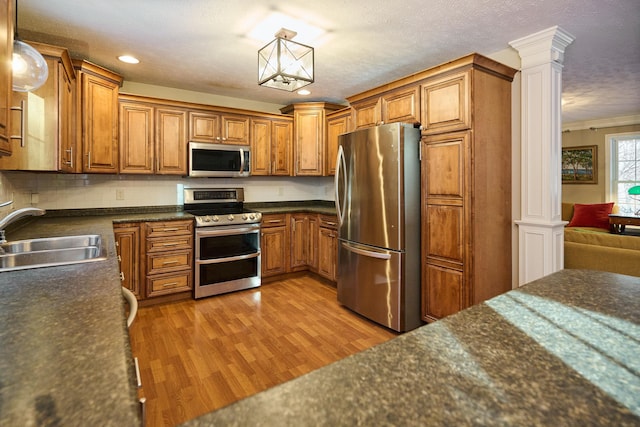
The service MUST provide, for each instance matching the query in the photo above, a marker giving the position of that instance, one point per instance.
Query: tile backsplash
(78, 191)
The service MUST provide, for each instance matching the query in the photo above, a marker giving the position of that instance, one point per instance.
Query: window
(623, 170)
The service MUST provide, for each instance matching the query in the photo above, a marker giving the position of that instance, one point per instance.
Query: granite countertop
(65, 355)
(562, 350)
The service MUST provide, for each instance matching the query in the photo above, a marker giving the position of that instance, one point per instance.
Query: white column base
(541, 249)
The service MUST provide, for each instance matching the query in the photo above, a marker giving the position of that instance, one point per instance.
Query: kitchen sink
(52, 251)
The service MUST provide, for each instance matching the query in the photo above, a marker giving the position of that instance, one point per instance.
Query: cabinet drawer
(166, 243)
(328, 221)
(169, 283)
(274, 220)
(166, 262)
(169, 228)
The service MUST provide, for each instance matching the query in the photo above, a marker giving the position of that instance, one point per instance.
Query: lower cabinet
(327, 247)
(300, 241)
(156, 258)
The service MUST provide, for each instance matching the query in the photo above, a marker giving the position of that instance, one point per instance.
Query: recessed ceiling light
(304, 92)
(128, 59)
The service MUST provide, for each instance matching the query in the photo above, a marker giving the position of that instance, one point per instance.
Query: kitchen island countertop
(562, 350)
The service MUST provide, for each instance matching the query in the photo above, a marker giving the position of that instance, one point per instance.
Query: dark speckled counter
(65, 356)
(562, 350)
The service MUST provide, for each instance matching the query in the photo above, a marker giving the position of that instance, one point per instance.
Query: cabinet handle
(169, 285)
(70, 161)
(170, 262)
(119, 258)
(170, 244)
(170, 229)
(331, 223)
(23, 122)
(138, 377)
(271, 221)
(122, 276)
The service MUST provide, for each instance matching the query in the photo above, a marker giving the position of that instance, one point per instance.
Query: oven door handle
(226, 232)
(228, 259)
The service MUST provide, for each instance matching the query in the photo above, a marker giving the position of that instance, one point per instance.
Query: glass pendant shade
(30, 69)
(286, 65)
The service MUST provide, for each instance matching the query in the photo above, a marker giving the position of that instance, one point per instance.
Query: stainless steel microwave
(218, 160)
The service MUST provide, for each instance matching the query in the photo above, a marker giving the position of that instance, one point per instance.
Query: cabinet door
(299, 241)
(260, 147)
(6, 50)
(274, 250)
(402, 105)
(235, 130)
(99, 101)
(204, 127)
(127, 238)
(336, 125)
(281, 140)
(136, 138)
(309, 141)
(171, 142)
(446, 104)
(70, 160)
(443, 294)
(367, 113)
(327, 253)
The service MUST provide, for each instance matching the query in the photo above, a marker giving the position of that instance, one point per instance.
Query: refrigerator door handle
(340, 166)
(365, 252)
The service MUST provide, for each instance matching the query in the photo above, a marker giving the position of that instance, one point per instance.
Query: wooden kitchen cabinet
(397, 105)
(466, 186)
(271, 146)
(6, 81)
(137, 154)
(328, 246)
(127, 237)
(304, 241)
(338, 122)
(274, 242)
(97, 117)
(218, 128)
(309, 136)
(168, 257)
(43, 125)
(153, 137)
(171, 141)
(447, 103)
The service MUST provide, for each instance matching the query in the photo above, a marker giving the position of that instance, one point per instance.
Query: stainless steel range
(227, 240)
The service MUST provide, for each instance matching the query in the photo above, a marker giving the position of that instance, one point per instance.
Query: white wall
(77, 191)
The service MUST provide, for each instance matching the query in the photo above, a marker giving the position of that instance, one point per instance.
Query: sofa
(595, 248)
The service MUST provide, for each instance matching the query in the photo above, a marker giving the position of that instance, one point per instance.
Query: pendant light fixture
(30, 69)
(284, 64)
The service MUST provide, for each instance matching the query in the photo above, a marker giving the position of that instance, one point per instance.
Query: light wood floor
(198, 356)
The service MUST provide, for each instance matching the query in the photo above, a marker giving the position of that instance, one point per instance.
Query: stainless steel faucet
(16, 215)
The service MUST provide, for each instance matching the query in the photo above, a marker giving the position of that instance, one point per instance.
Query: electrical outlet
(119, 194)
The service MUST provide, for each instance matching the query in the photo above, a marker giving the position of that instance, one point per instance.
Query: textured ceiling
(201, 45)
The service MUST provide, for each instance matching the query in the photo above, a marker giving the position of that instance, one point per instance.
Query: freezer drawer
(370, 283)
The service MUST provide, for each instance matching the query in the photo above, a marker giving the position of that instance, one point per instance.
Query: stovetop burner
(218, 206)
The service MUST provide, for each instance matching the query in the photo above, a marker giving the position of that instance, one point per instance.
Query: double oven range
(227, 241)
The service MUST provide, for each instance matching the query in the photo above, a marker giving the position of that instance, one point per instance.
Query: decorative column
(541, 229)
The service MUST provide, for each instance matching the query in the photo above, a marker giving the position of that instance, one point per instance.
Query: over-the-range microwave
(218, 160)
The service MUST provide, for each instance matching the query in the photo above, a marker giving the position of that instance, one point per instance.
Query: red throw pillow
(593, 215)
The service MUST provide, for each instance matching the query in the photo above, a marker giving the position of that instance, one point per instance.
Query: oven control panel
(228, 219)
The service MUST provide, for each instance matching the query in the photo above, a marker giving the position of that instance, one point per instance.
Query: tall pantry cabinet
(466, 185)
(6, 81)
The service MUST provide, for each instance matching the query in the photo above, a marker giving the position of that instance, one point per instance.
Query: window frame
(611, 168)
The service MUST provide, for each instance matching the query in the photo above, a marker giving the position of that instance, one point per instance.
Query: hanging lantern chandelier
(284, 64)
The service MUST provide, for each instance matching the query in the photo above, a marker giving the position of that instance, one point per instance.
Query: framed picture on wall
(580, 165)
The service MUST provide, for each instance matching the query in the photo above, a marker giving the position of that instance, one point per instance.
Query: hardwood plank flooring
(198, 356)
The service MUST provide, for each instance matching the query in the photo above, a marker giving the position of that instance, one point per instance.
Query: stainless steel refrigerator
(377, 184)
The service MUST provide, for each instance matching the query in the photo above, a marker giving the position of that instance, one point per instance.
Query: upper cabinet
(398, 105)
(271, 141)
(153, 137)
(42, 126)
(98, 117)
(338, 122)
(446, 103)
(309, 136)
(218, 128)
(6, 51)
